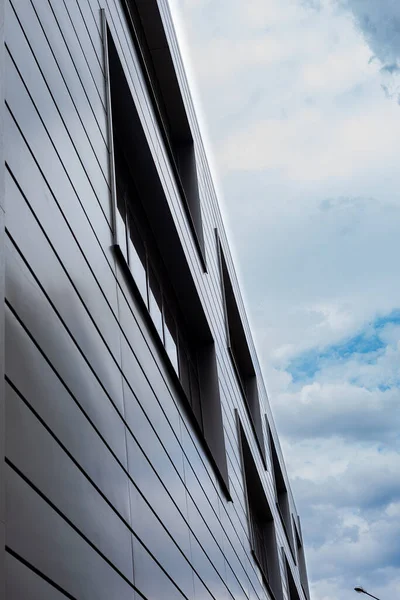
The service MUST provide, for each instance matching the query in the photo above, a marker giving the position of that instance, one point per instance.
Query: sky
(299, 107)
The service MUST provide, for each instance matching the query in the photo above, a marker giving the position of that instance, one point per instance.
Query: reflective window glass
(121, 235)
(184, 368)
(155, 303)
(259, 544)
(121, 223)
(195, 392)
(137, 260)
(170, 336)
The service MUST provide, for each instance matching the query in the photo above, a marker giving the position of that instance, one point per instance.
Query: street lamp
(361, 590)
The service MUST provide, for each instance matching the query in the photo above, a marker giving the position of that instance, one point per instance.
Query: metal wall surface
(2, 237)
(109, 492)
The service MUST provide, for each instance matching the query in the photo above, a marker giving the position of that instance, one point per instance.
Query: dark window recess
(149, 246)
(282, 498)
(240, 354)
(301, 559)
(293, 592)
(261, 523)
(164, 90)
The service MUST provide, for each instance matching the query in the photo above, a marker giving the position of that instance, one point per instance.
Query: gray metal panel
(42, 323)
(208, 549)
(206, 570)
(58, 209)
(48, 221)
(57, 550)
(22, 582)
(57, 281)
(56, 160)
(79, 349)
(2, 548)
(165, 422)
(150, 579)
(33, 57)
(153, 533)
(151, 443)
(2, 263)
(172, 514)
(48, 396)
(34, 451)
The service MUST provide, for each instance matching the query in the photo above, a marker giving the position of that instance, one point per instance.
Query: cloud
(224, 58)
(365, 346)
(298, 102)
(383, 582)
(336, 147)
(339, 410)
(316, 274)
(342, 447)
(391, 68)
(380, 24)
(349, 494)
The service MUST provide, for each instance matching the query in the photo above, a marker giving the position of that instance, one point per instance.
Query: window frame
(172, 146)
(209, 429)
(253, 407)
(275, 466)
(271, 571)
(301, 559)
(292, 590)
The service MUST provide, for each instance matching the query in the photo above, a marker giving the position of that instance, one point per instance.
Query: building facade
(140, 454)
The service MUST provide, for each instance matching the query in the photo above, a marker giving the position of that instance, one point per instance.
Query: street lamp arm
(361, 590)
(368, 594)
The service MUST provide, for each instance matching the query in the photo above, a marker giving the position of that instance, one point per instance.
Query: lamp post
(361, 590)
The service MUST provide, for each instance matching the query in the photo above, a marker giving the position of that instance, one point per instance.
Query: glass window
(121, 222)
(121, 233)
(259, 541)
(184, 367)
(195, 392)
(145, 243)
(155, 303)
(170, 335)
(137, 259)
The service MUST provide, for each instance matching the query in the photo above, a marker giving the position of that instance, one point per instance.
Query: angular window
(293, 593)
(240, 353)
(137, 258)
(171, 337)
(301, 559)
(282, 498)
(163, 87)
(156, 303)
(148, 244)
(261, 523)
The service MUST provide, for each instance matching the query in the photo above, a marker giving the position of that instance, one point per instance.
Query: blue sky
(299, 104)
(367, 346)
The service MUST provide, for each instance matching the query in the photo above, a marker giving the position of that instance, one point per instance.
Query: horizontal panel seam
(62, 75)
(39, 573)
(64, 124)
(15, 388)
(125, 380)
(77, 70)
(67, 520)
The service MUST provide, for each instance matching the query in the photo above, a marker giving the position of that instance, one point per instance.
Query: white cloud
(304, 139)
(260, 14)
(343, 489)
(332, 409)
(222, 58)
(393, 510)
(380, 24)
(313, 146)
